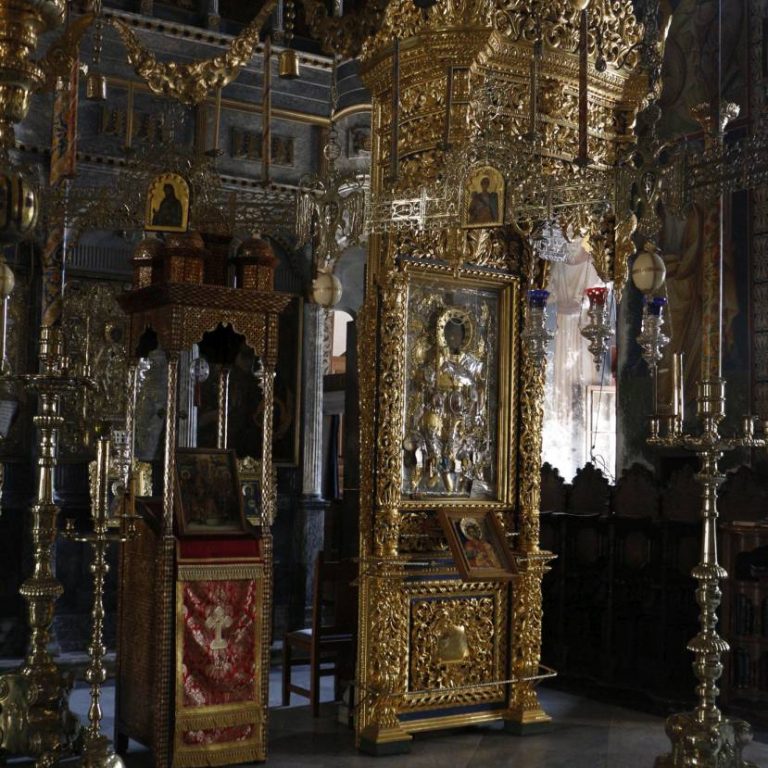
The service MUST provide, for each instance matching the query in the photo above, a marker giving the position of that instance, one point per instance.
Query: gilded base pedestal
(34, 716)
(703, 745)
(98, 753)
(379, 742)
(529, 724)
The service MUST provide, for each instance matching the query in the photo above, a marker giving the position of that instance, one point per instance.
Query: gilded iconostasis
(548, 226)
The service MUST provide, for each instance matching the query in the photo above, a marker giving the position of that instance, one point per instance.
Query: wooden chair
(329, 644)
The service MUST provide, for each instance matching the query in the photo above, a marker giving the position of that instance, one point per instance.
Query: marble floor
(585, 734)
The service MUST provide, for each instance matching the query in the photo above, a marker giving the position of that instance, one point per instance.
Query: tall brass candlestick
(39, 722)
(97, 748)
(705, 737)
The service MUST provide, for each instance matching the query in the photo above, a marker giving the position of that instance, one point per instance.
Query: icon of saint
(484, 205)
(169, 213)
(479, 552)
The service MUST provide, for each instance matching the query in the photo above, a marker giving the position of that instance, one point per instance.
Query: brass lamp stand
(97, 748)
(705, 738)
(35, 699)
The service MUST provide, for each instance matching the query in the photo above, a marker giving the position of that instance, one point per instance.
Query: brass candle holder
(97, 748)
(35, 697)
(705, 737)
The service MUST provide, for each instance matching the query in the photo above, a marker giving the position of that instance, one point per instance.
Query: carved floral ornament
(614, 29)
(614, 34)
(545, 91)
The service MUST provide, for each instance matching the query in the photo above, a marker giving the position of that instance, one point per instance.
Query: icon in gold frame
(167, 204)
(484, 198)
(478, 543)
(210, 500)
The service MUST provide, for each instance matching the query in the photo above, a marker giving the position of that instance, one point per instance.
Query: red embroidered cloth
(219, 663)
(220, 715)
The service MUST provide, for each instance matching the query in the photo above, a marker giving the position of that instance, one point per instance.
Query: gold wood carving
(459, 89)
(525, 646)
(96, 328)
(343, 35)
(367, 362)
(472, 618)
(420, 532)
(383, 676)
(611, 21)
(524, 707)
(404, 20)
(531, 389)
(391, 373)
(191, 83)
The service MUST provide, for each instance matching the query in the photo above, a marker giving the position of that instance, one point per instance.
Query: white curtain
(570, 366)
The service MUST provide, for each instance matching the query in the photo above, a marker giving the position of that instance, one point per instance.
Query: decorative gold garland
(346, 34)
(191, 83)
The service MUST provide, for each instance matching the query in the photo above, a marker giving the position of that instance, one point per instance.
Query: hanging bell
(96, 86)
(288, 64)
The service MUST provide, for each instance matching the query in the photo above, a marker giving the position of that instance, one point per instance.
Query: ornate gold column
(383, 611)
(524, 712)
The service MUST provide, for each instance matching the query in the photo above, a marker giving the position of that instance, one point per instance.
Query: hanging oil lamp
(598, 331)
(652, 338)
(536, 335)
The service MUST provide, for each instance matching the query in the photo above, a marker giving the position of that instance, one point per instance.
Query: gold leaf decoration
(191, 83)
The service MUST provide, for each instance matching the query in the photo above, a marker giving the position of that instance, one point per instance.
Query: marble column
(308, 530)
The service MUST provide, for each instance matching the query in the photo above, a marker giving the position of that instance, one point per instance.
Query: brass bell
(96, 86)
(288, 64)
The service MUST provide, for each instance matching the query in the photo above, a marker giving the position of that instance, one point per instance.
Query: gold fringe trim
(202, 757)
(204, 721)
(219, 572)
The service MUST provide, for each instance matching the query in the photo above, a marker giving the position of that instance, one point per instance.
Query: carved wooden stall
(617, 607)
(745, 596)
(195, 589)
